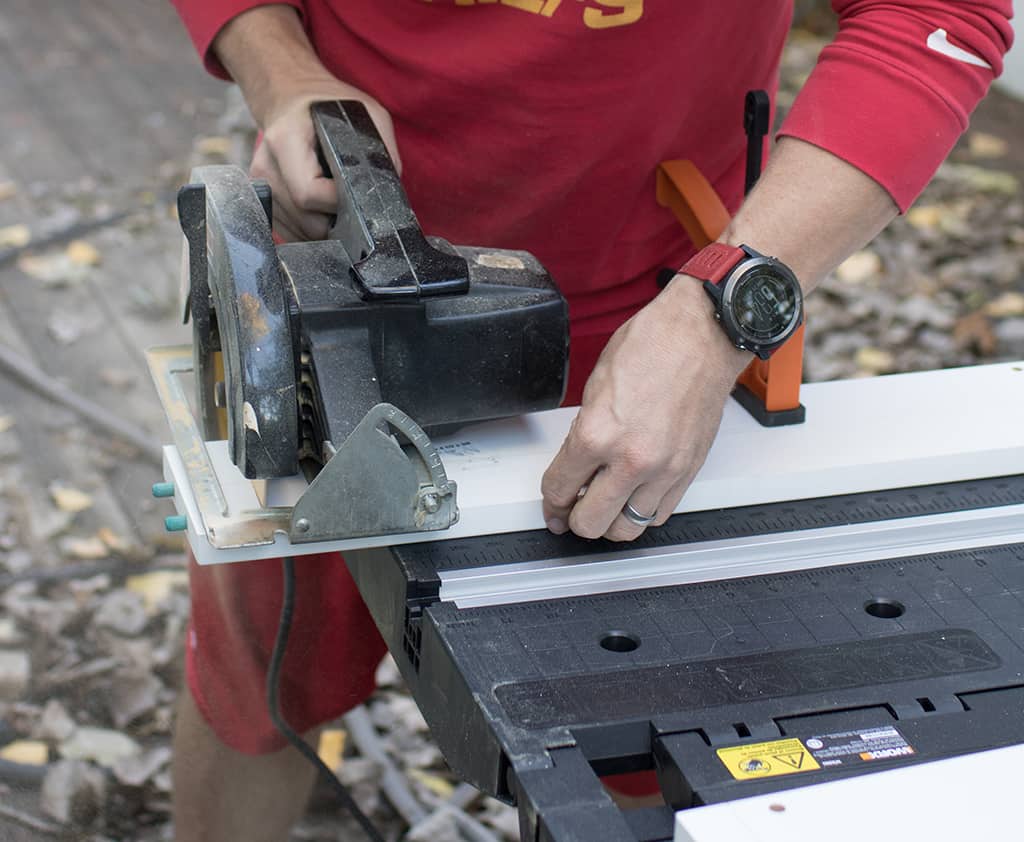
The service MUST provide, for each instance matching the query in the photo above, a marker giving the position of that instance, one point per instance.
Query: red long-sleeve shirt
(538, 124)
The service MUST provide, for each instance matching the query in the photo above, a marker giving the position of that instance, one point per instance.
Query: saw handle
(768, 389)
(374, 223)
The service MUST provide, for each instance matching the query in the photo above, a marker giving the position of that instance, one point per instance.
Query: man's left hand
(649, 414)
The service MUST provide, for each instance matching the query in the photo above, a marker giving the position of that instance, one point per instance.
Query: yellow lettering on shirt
(597, 14)
(623, 13)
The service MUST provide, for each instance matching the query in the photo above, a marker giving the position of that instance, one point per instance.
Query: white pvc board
(963, 799)
(860, 435)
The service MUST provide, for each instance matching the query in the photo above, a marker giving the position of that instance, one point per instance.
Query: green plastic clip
(176, 523)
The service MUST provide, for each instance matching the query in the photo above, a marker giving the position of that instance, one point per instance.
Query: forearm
(810, 209)
(267, 53)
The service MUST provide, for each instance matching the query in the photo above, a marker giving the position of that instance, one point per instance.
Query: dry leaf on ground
(73, 792)
(874, 360)
(122, 612)
(15, 236)
(55, 269)
(115, 543)
(214, 146)
(1006, 305)
(981, 179)
(985, 145)
(55, 723)
(435, 783)
(83, 253)
(132, 695)
(101, 745)
(15, 675)
(27, 752)
(925, 217)
(69, 499)
(85, 549)
(973, 332)
(947, 217)
(859, 267)
(140, 769)
(331, 747)
(155, 587)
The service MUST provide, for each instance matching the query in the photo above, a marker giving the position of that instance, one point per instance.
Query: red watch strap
(713, 262)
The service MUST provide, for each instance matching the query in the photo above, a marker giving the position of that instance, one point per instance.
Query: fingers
(596, 509)
(628, 467)
(652, 499)
(295, 154)
(671, 499)
(645, 500)
(571, 469)
(304, 198)
(613, 475)
(291, 222)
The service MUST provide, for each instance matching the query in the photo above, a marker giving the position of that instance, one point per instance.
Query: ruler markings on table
(722, 524)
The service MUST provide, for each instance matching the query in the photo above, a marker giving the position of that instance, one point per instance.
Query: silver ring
(634, 517)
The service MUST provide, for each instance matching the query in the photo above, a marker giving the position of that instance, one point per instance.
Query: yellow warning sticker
(767, 760)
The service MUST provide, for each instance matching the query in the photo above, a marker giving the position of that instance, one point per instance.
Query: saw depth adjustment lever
(321, 354)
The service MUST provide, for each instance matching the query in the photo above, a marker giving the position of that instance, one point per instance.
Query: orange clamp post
(768, 389)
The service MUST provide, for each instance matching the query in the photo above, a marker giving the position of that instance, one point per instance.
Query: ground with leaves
(93, 595)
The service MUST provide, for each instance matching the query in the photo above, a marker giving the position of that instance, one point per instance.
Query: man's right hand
(304, 198)
(267, 53)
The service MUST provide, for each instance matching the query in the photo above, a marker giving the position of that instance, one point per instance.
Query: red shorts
(334, 647)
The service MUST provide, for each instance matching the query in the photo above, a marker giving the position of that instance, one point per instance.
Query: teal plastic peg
(176, 523)
(163, 489)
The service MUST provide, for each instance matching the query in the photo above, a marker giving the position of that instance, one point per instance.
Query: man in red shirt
(538, 124)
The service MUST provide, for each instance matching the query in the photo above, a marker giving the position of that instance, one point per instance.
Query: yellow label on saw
(767, 760)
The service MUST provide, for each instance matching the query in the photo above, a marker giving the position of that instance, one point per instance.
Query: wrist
(695, 312)
(267, 53)
(281, 96)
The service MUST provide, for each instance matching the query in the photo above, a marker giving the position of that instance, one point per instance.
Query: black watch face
(764, 304)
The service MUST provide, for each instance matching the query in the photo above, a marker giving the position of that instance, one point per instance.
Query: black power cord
(284, 628)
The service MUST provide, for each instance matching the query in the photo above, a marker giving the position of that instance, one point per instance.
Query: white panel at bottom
(974, 798)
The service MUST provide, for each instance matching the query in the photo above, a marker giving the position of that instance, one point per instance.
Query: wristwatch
(758, 301)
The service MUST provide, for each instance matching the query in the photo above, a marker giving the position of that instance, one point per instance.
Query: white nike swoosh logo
(939, 42)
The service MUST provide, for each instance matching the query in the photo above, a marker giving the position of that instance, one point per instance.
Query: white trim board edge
(860, 435)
